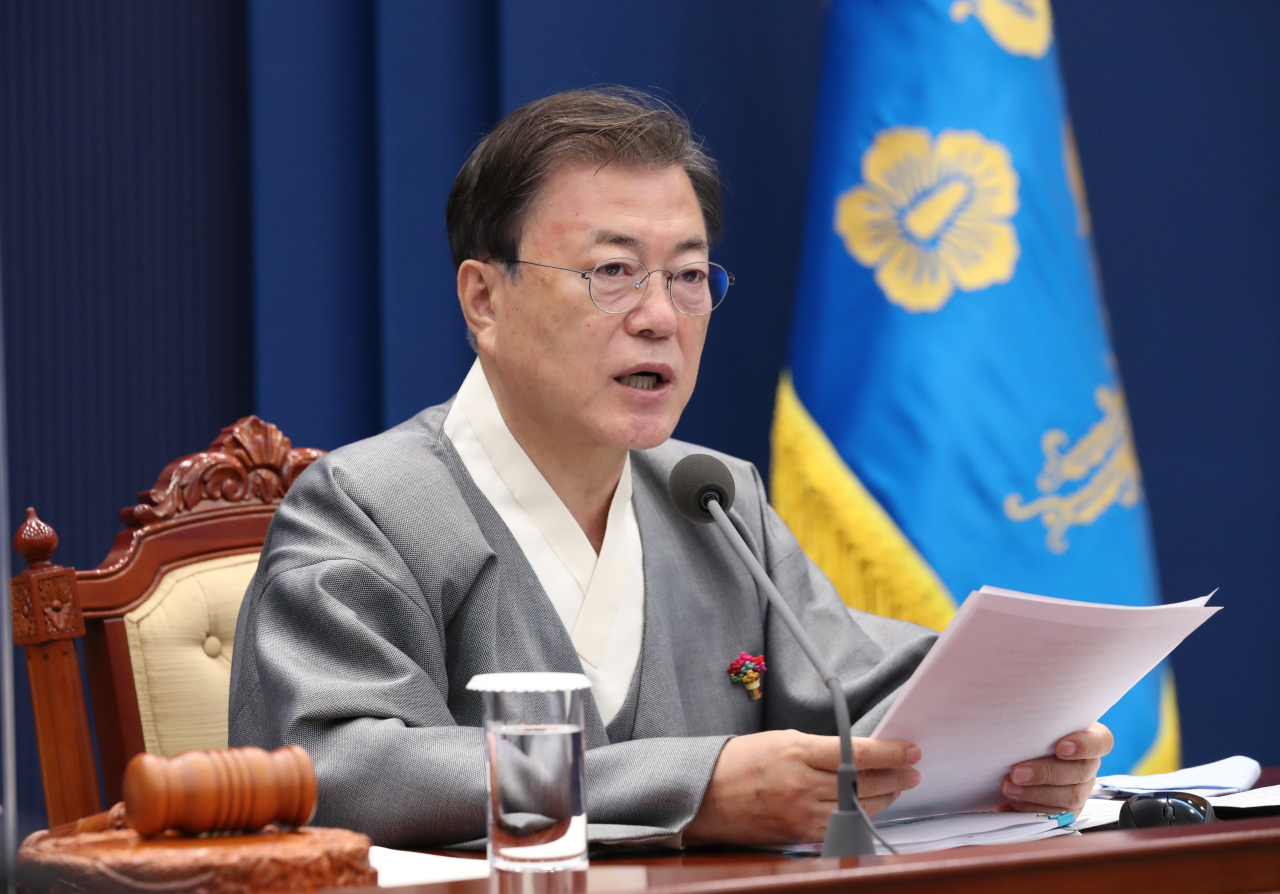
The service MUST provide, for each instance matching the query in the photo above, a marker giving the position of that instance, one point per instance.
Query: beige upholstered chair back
(180, 644)
(158, 615)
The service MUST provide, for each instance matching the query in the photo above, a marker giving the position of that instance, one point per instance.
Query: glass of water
(534, 770)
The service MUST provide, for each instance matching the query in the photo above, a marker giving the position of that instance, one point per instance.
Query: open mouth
(645, 381)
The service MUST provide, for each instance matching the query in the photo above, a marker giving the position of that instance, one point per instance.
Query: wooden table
(1230, 857)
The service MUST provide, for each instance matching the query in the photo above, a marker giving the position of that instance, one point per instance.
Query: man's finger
(880, 754)
(1094, 742)
(874, 805)
(1061, 797)
(873, 783)
(1053, 771)
(821, 752)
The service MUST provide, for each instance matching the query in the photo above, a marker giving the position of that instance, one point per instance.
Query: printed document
(1011, 675)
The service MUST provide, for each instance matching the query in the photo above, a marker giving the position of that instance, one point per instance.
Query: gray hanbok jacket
(387, 580)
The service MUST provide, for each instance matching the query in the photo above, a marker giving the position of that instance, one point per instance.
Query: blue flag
(953, 415)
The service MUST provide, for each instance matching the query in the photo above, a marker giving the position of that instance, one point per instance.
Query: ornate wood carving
(250, 462)
(119, 862)
(46, 613)
(210, 504)
(35, 541)
(24, 621)
(43, 598)
(58, 605)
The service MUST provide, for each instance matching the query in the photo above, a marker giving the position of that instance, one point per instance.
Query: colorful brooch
(746, 669)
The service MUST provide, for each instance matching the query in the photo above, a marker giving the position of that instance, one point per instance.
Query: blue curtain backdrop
(363, 112)
(124, 231)
(126, 205)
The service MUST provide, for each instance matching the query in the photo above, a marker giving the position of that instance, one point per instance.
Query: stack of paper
(1098, 812)
(1011, 675)
(1235, 774)
(938, 833)
(961, 829)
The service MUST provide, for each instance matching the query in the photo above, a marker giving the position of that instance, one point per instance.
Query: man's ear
(477, 284)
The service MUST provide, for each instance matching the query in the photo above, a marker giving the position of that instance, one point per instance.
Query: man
(525, 526)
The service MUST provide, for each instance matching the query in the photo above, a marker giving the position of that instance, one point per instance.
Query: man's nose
(655, 315)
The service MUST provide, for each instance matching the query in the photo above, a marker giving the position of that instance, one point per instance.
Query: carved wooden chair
(158, 616)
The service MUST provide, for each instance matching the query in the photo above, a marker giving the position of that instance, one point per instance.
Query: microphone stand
(849, 830)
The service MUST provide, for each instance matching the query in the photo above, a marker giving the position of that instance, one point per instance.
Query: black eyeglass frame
(642, 284)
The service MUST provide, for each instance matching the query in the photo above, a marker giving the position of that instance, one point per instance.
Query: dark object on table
(1157, 809)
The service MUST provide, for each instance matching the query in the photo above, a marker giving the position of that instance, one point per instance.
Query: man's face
(617, 380)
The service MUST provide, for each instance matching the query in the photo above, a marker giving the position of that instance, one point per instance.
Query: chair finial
(35, 541)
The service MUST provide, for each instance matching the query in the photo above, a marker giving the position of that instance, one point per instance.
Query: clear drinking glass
(534, 770)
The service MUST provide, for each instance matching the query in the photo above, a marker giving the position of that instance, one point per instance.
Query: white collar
(603, 581)
(528, 485)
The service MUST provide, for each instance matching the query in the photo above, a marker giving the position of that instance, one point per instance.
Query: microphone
(701, 488)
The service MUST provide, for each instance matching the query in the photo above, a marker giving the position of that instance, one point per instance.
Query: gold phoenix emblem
(1104, 459)
(1020, 27)
(932, 215)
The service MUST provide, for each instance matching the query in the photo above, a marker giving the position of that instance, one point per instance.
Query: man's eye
(615, 269)
(692, 277)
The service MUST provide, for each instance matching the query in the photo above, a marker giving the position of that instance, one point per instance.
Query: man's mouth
(645, 381)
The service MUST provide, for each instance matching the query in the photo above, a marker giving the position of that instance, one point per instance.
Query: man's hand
(778, 787)
(1060, 782)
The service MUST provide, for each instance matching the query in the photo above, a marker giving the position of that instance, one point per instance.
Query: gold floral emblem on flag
(932, 215)
(1020, 27)
(1104, 460)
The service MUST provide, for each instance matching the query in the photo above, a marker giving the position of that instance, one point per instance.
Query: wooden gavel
(239, 789)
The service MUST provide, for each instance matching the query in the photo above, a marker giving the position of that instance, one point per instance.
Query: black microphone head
(693, 480)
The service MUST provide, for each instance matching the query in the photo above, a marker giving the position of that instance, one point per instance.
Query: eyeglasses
(616, 285)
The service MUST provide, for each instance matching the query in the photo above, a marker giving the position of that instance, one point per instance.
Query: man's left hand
(1063, 781)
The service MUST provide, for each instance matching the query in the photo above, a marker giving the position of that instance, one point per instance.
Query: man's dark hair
(497, 185)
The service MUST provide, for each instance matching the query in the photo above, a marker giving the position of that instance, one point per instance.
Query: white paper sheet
(1011, 675)
(1267, 796)
(1098, 812)
(412, 868)
(1233, 774)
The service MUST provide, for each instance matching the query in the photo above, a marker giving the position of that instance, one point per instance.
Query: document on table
(1098, 812)
(1262, 801)
(940, 833)
(1011, 675)
(1232, 774)
(1255, 802)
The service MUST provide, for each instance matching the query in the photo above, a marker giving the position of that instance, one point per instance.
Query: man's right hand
(779, 787)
